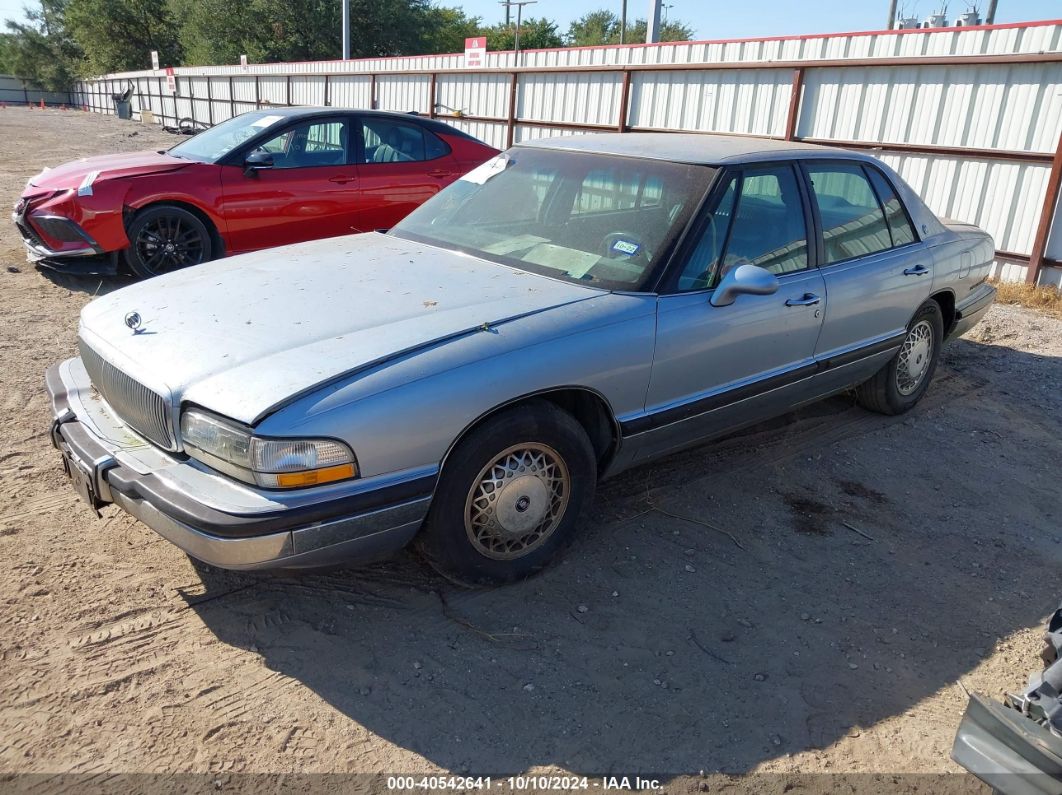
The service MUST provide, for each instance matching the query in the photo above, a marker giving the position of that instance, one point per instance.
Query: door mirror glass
(256, 161)
(745, 279)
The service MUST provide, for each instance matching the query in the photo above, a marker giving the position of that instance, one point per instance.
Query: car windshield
(591, 219)
(211, 145)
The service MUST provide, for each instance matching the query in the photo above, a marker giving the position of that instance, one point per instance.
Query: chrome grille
(140, 408)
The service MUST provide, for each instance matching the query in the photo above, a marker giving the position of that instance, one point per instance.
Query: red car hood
(133, 164)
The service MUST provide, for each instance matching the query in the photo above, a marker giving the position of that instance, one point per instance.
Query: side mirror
(257, 161)
(746, 279)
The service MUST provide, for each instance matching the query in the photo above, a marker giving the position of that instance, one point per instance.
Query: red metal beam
(794, 104)
(625, 102)
(1047, 216)
(932, 149)
(510, 122)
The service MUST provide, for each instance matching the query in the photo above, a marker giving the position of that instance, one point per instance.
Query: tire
(481, 528)
(902, 382)
(156, 227)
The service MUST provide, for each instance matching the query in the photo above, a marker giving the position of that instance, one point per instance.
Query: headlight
(271, 463)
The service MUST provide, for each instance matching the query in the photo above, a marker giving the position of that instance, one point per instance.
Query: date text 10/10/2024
(520, 783)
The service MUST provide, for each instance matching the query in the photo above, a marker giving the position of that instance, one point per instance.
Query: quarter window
(853, 223)
(895, 216)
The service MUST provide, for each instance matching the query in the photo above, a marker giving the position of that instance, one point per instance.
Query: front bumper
(236, 527)
(38, 250)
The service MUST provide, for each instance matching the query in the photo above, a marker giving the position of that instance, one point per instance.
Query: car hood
(132, 164)
(242, 335)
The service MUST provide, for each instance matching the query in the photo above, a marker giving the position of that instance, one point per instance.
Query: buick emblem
(133, 321)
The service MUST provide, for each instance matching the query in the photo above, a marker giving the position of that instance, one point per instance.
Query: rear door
(400, 166)
(310, 192)
(877, 271)
(718, 367)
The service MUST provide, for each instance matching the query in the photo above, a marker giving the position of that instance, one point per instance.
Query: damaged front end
(1016, 747)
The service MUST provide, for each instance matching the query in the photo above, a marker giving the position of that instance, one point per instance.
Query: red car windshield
(599, 220)
(212, 145)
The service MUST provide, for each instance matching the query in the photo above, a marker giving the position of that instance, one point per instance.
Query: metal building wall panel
(983, 107)
(474, 95)
(752, 101)
(488, 132)
(243, 87)
(403, 93)
(351, 91)
(273, 89)
(1004, 198)
(575, 97)
(1054, 235)
(525, 132)
(307, 90)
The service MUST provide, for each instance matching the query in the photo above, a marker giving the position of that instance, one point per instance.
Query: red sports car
(258, 180)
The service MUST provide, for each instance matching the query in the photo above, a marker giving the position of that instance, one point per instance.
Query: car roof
(709, 149)
(308, 112)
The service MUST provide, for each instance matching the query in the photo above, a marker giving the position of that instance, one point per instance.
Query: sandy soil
(716, 614)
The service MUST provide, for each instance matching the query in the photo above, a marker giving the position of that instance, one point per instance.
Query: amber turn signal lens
(315, 477)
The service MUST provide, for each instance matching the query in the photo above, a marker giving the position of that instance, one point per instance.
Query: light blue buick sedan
(569, 309)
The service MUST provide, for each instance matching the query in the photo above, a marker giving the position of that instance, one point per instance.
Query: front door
(719, 367)
(310, 192)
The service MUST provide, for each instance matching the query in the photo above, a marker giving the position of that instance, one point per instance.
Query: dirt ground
(811, 596)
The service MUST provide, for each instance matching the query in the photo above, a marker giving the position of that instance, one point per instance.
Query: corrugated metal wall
(975, 139)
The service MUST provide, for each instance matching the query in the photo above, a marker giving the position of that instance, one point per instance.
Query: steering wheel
(626, 245)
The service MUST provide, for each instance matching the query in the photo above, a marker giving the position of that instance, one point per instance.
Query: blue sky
(721, 19)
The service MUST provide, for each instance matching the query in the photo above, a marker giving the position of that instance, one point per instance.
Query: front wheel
(510, 495)
(902, 382)
(166, 238)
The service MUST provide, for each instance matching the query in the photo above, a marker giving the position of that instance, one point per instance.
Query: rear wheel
(902, 382)
(510, 496)
(166, 238)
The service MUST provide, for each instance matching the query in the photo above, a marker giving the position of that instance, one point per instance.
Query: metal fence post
(1047, 216)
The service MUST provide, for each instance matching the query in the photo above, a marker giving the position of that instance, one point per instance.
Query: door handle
(809, 299)
(440, 173)
(917, 270)
(341, 180)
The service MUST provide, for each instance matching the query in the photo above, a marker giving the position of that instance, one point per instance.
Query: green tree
(41, 50)
(281, 30)
(445, 30)
(535, 34)
(119, 35)
(603, 27)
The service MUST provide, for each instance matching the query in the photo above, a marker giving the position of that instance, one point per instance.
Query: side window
(388, 141)
(899, 225)
(700, 271)
(853, 223)
(768, 229)
(310, 144)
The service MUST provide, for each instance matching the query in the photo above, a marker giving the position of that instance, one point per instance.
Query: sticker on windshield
(266, 121)
(626, 247)
(492, 168)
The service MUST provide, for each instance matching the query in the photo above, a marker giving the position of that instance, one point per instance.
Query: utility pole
(652, 31)
(346, 29)
(623, 22)
(519, 14)
(892, 15)
(990, 15)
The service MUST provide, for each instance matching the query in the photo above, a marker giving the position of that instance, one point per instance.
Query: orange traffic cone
(42, 103)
